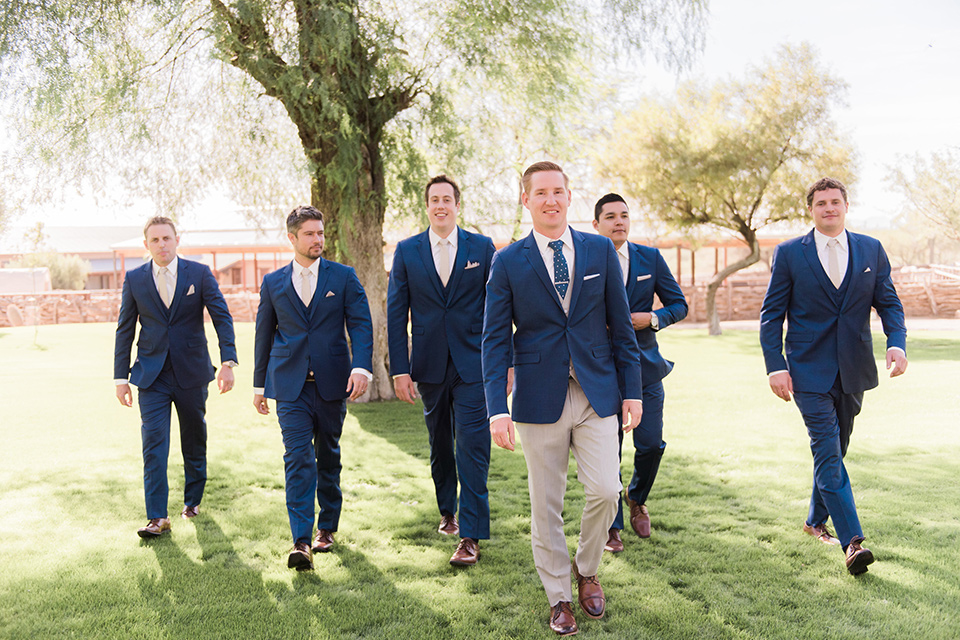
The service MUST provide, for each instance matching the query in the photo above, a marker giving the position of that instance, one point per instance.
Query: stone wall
(737, 299)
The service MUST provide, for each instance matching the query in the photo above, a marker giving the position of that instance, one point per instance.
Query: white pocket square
(867, 270)
(471, 265)
(644, 277)
(329, 293)
(591, 276)
(191, 291)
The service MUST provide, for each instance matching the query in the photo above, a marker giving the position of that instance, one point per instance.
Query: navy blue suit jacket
(827, 336)
(291, 339)
(442, 326)
(649, 275)
(177, 331)
(521, 293)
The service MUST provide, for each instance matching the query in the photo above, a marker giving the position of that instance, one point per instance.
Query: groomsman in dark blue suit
(563, 292)
(438, 282)
(168, 295)
(645, 273)
(824, 284)
(301, 360)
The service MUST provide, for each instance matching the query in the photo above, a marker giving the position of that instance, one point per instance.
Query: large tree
(736, 156)
(368, 86)
(931, 186)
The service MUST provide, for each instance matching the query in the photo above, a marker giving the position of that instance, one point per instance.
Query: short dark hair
(158, 220)
(441, 179)
(300, 215)
(537, 167)
(607, 199)
(824, 184)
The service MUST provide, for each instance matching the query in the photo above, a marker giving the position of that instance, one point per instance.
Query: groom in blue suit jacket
(645, 274)
(563, 292)
(438, 281)
(168, 295)
(824, 284)
(301, 360)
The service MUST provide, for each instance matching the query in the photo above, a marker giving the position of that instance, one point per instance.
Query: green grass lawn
(727, 558)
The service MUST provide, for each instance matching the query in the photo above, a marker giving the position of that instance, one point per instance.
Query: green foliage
(66, 271)
(738, 155)
(931, 187)
(727, 559)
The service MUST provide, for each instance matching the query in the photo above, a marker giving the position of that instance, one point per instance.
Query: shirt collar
(313, 269)
(543, 241)
(452, 238)
(172, 267)
(822, 240)
(624, 251)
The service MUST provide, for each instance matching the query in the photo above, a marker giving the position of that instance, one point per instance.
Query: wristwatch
(229, 363)
(654, 321)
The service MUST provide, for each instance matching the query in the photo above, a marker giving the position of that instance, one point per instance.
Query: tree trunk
(713, 318)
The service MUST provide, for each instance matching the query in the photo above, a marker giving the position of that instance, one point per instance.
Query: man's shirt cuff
(773, 373)
(258, 391)
(366, 374)
(498, 416)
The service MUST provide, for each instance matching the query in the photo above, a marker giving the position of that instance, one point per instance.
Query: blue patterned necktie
(561, 273)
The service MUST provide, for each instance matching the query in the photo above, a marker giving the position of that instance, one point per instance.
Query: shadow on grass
(220, 596)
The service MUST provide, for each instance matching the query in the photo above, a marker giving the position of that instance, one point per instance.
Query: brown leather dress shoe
(155, 528)
(467, 553)
(821, 533)
(614, 543)
(639, 518)
(190, 512)
(590, 594)
(858, 557)
(562, 620)
(449, 526)
(323, 541)
(301, 558)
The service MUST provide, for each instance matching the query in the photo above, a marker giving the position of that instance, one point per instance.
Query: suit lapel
(181, 288)
(146, 272)
(857, 264)
(579, 267)
(429, 267)
(460, 262)
(632, 290)
(809, 248)
(532, 252)
(323, 274)
(286, 287)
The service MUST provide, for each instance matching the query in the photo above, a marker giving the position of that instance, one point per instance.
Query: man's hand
(641, 319)
(260, 403)
(898, 359)
(225, 379)
(404, 388)
(501, 430)
(356, 385)
(125, 396)
(782, 385)
(509, 381)
(632, 411)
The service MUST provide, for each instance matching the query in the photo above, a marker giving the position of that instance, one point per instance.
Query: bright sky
(901, 60)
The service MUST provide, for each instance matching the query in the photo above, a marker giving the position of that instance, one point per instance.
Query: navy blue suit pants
(648, 448)
(155, 413)
(456, 415)
(829, 420)
(311, 428)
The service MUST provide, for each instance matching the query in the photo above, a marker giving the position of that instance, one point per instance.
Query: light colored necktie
(624, 266)
(444, 261)
(833, 262)
(306, 286)
(162, 286)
